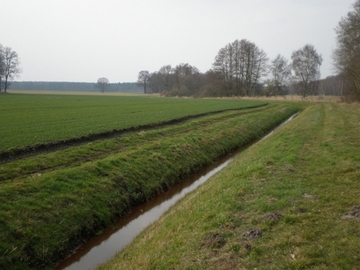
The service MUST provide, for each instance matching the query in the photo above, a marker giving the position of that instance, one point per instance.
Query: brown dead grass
(297, 98)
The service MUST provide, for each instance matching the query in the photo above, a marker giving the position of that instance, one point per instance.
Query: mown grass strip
(43, 217)
(44, 119)
(279, 205)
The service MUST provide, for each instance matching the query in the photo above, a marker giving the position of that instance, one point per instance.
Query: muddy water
(103, 247)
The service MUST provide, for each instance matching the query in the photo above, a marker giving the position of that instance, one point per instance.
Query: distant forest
(126, 87)
(334, 85)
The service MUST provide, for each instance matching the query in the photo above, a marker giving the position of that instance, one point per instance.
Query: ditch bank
(116, 237)
(33, 150)
(288, 202)
(60, 210)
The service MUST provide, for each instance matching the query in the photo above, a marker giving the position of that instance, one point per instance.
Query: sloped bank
(46, 216)
(288, 202)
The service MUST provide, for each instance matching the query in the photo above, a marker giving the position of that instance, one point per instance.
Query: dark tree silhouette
(306, 64)
(347, 54)
(143, 79)
(10, 66)
(240, 66)
(102, 84)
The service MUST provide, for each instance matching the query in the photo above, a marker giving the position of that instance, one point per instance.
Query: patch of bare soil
(214, 240)
(252, 234)
(353, 214)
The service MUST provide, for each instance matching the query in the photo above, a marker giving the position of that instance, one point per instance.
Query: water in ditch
(103, 247)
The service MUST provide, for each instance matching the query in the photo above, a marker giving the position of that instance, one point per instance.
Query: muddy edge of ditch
(33, 150)
(83, 256)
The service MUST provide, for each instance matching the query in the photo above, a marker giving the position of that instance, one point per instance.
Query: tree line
(241, 68)
(75, 86)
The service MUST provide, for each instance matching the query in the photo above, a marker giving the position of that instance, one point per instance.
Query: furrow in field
(33, 150)
(76, 155)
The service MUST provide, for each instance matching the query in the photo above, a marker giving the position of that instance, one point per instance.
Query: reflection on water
(102, 248)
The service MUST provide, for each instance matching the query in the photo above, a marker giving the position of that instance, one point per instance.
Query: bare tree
(102, 84)
(306, 64)
(182, 80)
(240, 66)
(281, 73)
(223, 67)
(347, 54)
(255, 63)
(143, 79)
(183, 72)
(166, 73)
(155, 82)
(187, 80)
(11, 66)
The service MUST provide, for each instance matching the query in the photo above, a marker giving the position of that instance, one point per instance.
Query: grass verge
(281, 204)
(45, 215)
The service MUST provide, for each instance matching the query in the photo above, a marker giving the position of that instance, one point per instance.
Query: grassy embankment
(279, 205)
(51, 203)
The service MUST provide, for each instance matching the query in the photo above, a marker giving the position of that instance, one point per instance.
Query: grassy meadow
(38, 119)
(52, 202)
(291, 201)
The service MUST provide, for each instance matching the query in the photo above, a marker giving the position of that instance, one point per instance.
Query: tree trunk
(6, 83)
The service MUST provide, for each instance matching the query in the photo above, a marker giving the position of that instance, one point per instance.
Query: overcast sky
(82, 40)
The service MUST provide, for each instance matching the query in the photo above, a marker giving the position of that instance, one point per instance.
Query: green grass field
(33, 119)
(51, 202)
(288, 202)
(291, 201)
